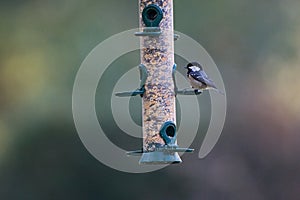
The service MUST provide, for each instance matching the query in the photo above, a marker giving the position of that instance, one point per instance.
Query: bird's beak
(185, 67)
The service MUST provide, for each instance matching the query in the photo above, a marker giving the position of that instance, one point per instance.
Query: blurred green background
(256, 45)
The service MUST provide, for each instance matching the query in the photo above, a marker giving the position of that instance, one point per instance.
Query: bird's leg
(197, 91)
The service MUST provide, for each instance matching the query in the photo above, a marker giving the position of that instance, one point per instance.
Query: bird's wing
(198, 76)
(202, 77)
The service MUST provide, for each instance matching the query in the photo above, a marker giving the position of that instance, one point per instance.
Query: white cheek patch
(195, 68)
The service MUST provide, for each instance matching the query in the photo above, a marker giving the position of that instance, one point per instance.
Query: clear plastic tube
(157, 55)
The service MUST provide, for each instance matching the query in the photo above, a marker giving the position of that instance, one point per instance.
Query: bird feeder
(158, 88)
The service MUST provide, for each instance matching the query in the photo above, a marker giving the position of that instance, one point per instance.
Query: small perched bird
(199, 79)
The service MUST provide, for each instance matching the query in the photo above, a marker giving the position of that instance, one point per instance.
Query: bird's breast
(196, 84)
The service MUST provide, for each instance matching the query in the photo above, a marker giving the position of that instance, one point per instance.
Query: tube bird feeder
(158, 88)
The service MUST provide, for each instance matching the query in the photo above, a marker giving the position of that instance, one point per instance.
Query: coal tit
(199, 79)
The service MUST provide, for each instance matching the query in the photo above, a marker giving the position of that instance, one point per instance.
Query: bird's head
(193, 67)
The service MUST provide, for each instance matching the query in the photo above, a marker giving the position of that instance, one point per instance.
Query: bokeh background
(256, 45)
